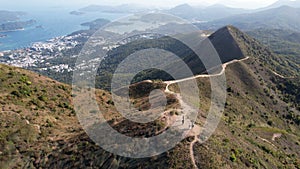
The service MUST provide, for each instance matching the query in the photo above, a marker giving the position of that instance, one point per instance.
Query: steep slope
(35, 111)
(282, 42)
(251, 47)
(284, 62)
(226, 44)
(39, 128)
(257, 130)
(222, 40)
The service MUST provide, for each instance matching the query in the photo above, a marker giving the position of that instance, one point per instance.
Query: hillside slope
(39, 128)
(258, 129)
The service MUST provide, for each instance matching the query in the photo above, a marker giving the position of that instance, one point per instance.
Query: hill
(205, 13)
(124, 8)
(15, 26)
(290, 3)
(229, 42)
(9, 16)
(96, 24)
(283, 17)
(40, 130)
(283, 42)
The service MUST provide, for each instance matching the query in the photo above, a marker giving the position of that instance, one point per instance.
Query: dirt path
(177, 120)
(281, 76)
(203, 76)
(192, 151)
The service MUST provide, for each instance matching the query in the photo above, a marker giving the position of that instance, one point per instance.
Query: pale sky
(157, 3)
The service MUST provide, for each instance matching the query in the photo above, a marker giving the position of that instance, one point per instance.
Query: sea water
(51, 22)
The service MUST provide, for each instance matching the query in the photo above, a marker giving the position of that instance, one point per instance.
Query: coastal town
(54, 54)
(41, 53)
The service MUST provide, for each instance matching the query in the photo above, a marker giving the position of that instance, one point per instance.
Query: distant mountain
(9, 16)
(95, 8)
(284, 17)
(205, 13)
(125, 8)
(290, 3)
(185, 11)
(221, 11)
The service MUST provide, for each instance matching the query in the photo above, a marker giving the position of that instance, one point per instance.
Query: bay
(51, 22)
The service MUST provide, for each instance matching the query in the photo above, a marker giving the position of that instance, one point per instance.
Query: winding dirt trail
(281, 76)
(196, 139)
(203, 76)
(185, 108)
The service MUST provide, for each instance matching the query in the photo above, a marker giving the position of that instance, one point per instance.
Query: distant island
(10, 21)
(2, 36)
(96, 24)
(10, 16)
(15, 26)
(77, 13)
(125, 8)
(39, 27)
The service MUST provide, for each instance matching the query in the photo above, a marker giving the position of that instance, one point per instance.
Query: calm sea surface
(51, 23)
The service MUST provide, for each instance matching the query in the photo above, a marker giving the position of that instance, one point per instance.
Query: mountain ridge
(248, 84)
(270, 18)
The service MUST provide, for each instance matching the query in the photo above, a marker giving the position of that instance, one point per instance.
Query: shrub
(233, 157)
(110, 102)
(16, 93)
(93, 111)
(270, 123)
(43, 98)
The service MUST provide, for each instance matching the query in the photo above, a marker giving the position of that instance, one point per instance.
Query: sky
(18, 4)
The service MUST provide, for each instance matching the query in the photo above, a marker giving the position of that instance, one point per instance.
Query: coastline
(3, 36)
(14, 30)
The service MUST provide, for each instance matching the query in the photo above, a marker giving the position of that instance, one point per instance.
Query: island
(96, 24)
(15, 26)
(10, 21)
(77, 13)
(10, 16)
(2, 36)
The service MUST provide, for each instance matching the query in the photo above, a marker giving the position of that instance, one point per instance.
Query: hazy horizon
(28, 4)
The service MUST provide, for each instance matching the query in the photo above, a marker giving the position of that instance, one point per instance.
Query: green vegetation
(259, 129)
(286, 45)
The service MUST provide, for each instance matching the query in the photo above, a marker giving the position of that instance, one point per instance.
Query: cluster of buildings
(40, 54)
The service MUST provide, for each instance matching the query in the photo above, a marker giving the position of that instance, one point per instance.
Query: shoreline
(15, 30)
(3, 36)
